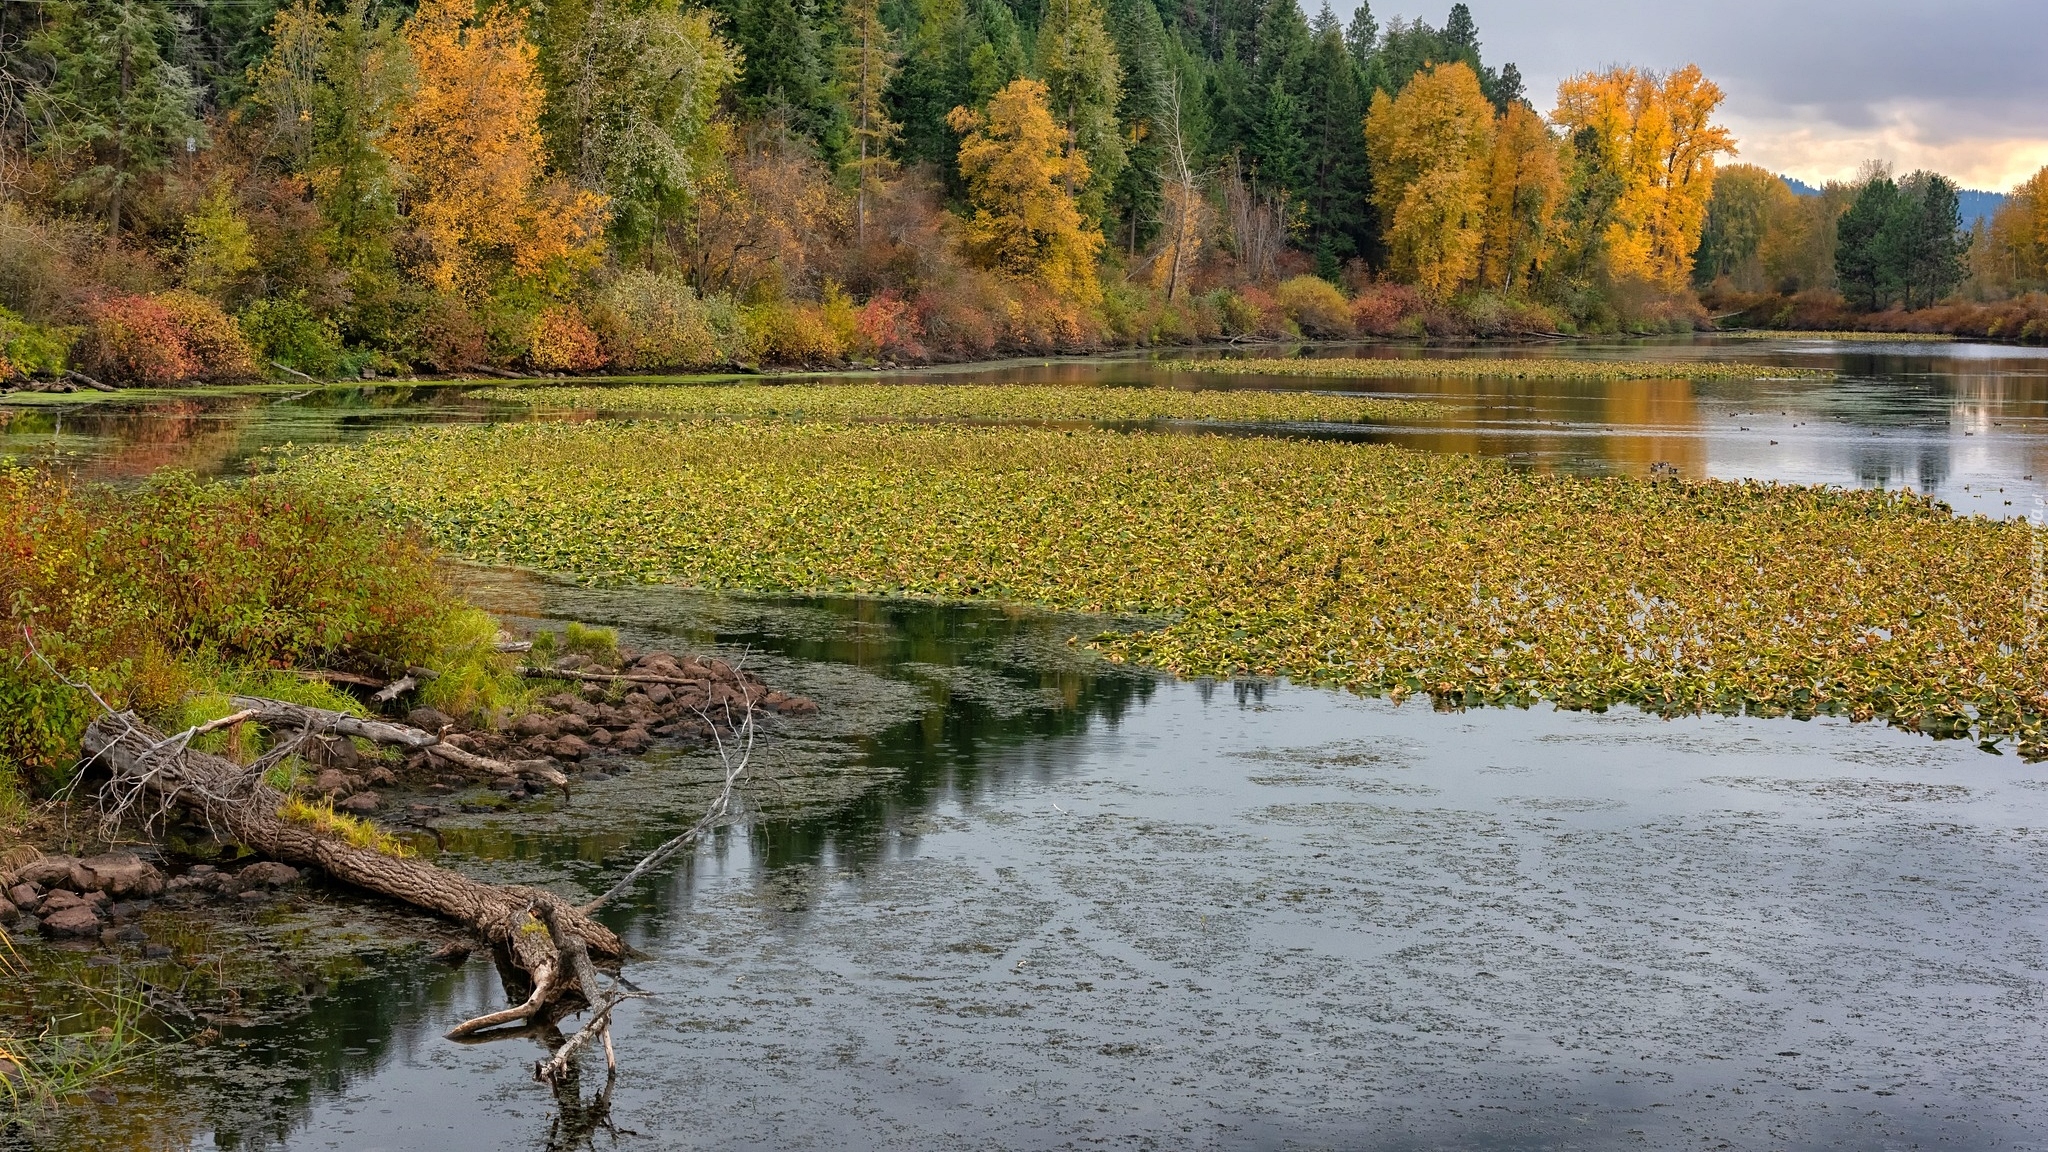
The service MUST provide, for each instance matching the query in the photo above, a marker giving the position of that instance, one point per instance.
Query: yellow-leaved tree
(467, 141)
(1018, 170)
(1430, 149)
(1524, 185)
(1656, 137)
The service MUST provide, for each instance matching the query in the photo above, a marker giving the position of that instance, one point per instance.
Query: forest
(222, 190)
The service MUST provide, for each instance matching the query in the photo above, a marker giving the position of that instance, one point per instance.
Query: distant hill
(1973, 205)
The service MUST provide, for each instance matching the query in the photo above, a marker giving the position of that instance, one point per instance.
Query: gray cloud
(1963, 82)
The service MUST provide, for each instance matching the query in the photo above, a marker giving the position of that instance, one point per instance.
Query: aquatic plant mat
(1532, 368)
(1375, 567)
(968, 401)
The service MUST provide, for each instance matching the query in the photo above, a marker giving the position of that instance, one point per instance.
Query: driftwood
(537, 932)
(284, 716)
(234, 800)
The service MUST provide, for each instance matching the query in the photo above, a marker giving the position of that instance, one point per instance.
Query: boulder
(562, 701)
(573, 725)
(430, 720)
(600, 738)
(362, 802)
(595, 691)
(55, 872)
(381, 776)
(571, 748)
(25, 896)
(77, 920)
(65, 898)
(8, 912)
(266, 874)
(534, 724)
(659, 694)
(332, 782)
(123, 875)
(633, 739)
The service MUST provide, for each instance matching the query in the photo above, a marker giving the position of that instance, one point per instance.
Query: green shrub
(288, 332)
(32, 349)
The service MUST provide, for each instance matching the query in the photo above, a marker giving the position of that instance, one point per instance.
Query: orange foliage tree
(1524, 185)
(1658, 136)
(1430, 148)
(468, 141)
(1018, 169)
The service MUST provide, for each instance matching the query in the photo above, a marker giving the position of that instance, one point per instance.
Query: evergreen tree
(1862, 271)
(784, 71)
(1461, 33)
(1900, 243)
(1141, 43)
(116, 109)
(1277, 145)
(1084, 84)
(1337, 189)
(1362, 37)
(866, 63)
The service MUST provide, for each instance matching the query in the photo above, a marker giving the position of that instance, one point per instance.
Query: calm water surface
(998, 894)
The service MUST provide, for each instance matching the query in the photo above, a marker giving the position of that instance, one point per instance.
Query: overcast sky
(1815, 87)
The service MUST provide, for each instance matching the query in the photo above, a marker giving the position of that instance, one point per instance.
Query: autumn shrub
(655, 320)
(148, 593)
(163, 339)
(958, 314)
(787, 332)
(1379, 308)
(1316, 307)
(563, 341)
(289, 333)
(443, 333)
(888, 324)
(842, 319)
(1273, 321)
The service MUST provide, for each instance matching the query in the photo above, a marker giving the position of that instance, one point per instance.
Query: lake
(999, 893)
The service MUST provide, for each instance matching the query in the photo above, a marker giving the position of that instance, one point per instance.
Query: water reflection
(1958, 421)
(1000, 894)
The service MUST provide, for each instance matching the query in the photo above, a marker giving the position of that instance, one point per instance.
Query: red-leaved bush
(563, 341)
(163, 339)
(888, 325)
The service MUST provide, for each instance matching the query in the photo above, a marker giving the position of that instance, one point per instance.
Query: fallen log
(231, 799)
(286, 716)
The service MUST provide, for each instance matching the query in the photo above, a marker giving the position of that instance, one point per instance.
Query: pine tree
(1338, 186)
(1362, 37)
(1142, 52)
(116, 109)
(1084, 83)
(867, 62)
